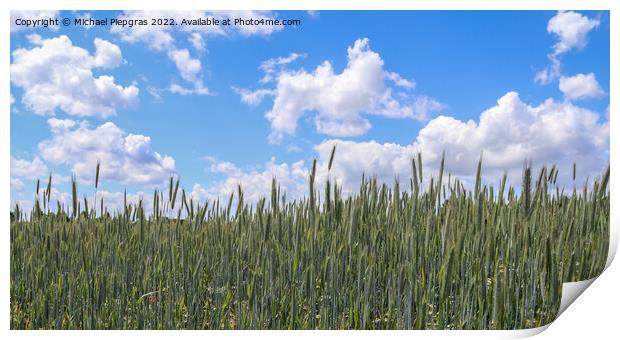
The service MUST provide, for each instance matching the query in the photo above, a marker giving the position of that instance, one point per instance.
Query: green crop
(442, 257)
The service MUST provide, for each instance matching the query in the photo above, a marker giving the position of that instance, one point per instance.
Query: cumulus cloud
(571, 30)
(255, 183)
(126, 158)
(506, 135)
(425, 106)
(55, 74)
(190, 70)
(338, 101)
(160, 38)
(156, 37)
(512, 131)
(31, 15)
(25, 197)
(581, 86)
(188, 66)
(16, 184)
(31, 170)
(114, 201)
(385, 161)
(107, 55)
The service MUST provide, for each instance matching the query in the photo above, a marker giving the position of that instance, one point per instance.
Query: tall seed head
(74, 195)
(97, 175)
(331, 158)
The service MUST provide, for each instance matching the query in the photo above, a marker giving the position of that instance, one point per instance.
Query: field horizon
(379, 259)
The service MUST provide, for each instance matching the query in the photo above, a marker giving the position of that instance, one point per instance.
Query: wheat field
(401, 256)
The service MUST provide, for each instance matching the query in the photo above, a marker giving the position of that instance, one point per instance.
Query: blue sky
(397, 83)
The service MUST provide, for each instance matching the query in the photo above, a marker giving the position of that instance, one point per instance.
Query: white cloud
(126, 158)
(197, 42)
(337, 100)
(184, 91)
(513, 131)
(398, 80)
(55, 74)
(159, 38)
(293, 148)
(253, 97)
(58, 126)
(200, 193)
(581, 86)
(107, 54)
(22, 169)
(188, 66)
(155, 93)
(550, 73)
(31, 170)
(225, 167)
(425, 106)
(571, 29)
(271, 67)
(31, 15)
(383, 161)
(254, 183)
(16, 184)
(507, 135)
(190, 70)
(156, 37)
(12, 99)
(25, 198)
(114, 201)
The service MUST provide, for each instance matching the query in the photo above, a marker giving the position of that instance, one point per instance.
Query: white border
(596, 315)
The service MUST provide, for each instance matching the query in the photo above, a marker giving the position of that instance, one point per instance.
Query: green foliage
(378, 259)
